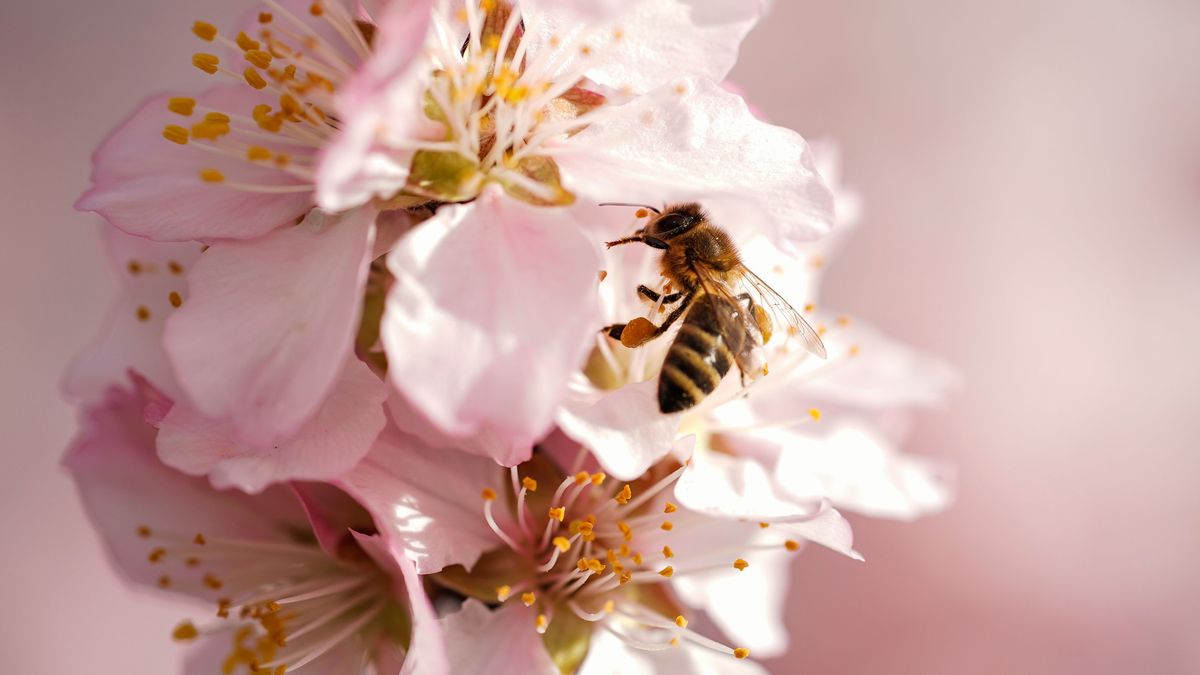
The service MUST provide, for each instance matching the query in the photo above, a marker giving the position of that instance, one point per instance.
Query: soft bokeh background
(1031, 172)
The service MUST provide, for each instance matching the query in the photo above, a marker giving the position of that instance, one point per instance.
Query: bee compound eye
(672, 222)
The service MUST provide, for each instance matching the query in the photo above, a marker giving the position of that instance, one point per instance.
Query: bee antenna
(644, 206)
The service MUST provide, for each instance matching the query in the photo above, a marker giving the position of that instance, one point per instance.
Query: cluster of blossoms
(356, 395)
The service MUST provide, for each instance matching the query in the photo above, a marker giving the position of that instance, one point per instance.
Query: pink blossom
(277, 305)
(322, 593)
(567, 549)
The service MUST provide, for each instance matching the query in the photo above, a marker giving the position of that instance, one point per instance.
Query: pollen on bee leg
(637, 332)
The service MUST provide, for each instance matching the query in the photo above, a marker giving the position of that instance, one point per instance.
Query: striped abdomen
(701, 353)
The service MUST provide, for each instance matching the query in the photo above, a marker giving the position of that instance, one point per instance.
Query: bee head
(676, 220)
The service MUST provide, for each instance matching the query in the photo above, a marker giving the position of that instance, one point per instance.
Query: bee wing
(737, 322)
(782, 314)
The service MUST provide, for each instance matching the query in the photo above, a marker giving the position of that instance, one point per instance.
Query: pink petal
(131, 338)
(270, 322)
(751, 176)
(426, 500)
(704, 37)
(210, 655)
(124, 486)
(331, 513)
(383, 102)
(861, 470)
(427, 648)
(329, 444)
(623, 428)
(497, 642)
(151, 187)
(492, 310)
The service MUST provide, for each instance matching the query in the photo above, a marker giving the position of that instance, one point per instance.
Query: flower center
(296, 62)
(601, 553)
(283, 604)
(501, 107)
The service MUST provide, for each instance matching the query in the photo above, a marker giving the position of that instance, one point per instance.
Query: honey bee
(727, 310)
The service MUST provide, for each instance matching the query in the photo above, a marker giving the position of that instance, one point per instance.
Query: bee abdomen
(696, 361)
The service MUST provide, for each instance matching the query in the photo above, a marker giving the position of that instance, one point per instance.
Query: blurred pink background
(1031, 174)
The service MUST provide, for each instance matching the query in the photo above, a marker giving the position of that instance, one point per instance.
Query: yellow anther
(175, 299)
(528, 599)
(246, 42)
(667, 526)
(636, 558)
(164, 581)
(256, 153)
(176, 134)
(316, 9)
(791, 545)
(157, 555)
(210, 131)
(529, 484)
(563, 544)
(809, 307)
(254, 79)
(503, 593)
(211, 176)
(204, 30)
(181, 105)
(199, 539)
(843, 321)
(626, 531)
(669, 508)
(282, 160)
(259, 58)
(740, 564)
(624, 550)
(581, 564)
(488, 494)
(265, 17)
(143, 532)
(590, 518)
(212, 582)
(206, 62)
(815, 414)
(598, 479)
(582, 477)
(143, 313)
(625, 578)
(215, 117)
(612, 557)
(668, 553)
(558, 513)
(854, 350)
(191, 562)
(624, 495)
(666, 571)
(184, 632)
(741, 652)
(541, 623)
(609, 607)
(596, 566)
(674, 641)
(681, 622)
(764, 525)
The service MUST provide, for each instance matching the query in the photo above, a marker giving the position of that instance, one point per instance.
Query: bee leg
(641, 330)
(651, 295)
(653, 242)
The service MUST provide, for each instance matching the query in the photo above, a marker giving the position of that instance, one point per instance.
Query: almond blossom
(152, 288)
(568, 553)
(523, 116)
(293, 577)
(276, 300)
